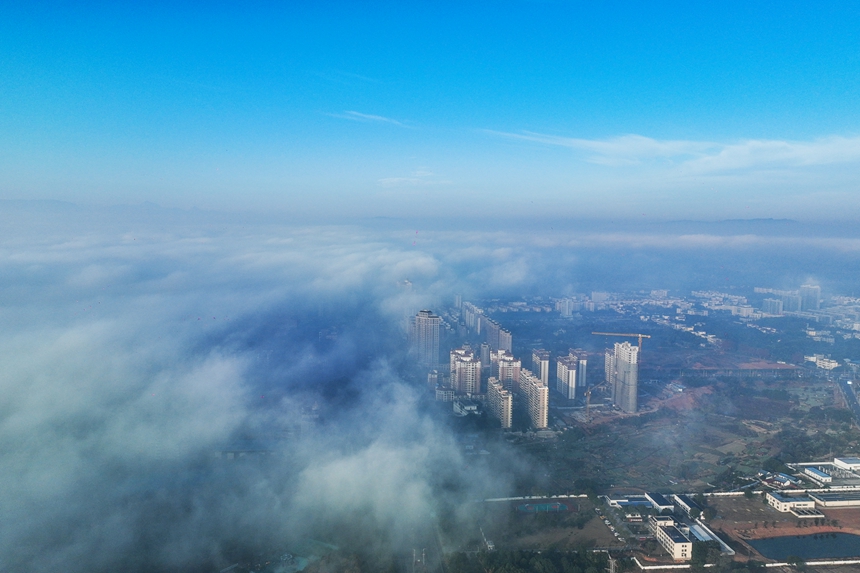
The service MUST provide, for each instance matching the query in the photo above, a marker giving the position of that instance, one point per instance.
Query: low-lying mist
(130, 360)
(133, 351)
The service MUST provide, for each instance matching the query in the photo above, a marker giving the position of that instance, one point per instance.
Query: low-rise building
(466, 406)
(837, 499)
(851, 464)
(686, 503)
(659, 502)
(619, 500)
(817, 474)
(671, 537)
(444, 394)
(782, 501)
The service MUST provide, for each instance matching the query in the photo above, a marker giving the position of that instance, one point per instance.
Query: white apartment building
(567, 368)
(465, 371)
(500, 402)
(537, 397)
(540, 365)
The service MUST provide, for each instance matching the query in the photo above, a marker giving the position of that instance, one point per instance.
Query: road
(424, 541)
(850, 398)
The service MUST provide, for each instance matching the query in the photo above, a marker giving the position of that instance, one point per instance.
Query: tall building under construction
(622, 375)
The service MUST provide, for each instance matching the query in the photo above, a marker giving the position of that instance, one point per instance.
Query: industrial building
(782, 501)
(817, 475)
(837, 499)
(850, 464)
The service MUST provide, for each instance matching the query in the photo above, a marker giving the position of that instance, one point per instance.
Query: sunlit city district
(671, 358)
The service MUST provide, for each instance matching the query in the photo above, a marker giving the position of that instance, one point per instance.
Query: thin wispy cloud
(367, 118)
(418, 178)
(345, 78)
(703, 157)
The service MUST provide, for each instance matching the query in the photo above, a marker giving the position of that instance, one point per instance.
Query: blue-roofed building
(851, 464)
(818, 475)
(659, 502)
(837, 499)
(686, 503)
(617, 500)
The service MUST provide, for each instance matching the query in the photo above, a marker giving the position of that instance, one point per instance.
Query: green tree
(695, 512)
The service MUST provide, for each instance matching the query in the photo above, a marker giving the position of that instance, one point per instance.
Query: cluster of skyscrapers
(493, 375)
(808, 298)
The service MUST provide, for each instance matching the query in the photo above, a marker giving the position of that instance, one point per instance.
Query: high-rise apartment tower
(622, 374)
(424, 337)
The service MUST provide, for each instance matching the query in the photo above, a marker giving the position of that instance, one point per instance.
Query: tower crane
(629, 334)
(638, 335)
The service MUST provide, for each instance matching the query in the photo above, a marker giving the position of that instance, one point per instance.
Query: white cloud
(704, 157)
(418, 178)
(367, 118)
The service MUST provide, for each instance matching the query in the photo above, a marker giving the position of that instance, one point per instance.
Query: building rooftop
(658, 499)
(817, 472)
(838, 496)
(849, 461)
(686, 500)
(675, 535)
(788, 498)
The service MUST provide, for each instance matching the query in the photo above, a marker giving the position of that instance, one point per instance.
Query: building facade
(540, 365)
(536, 394)
(506, 368)
(491, 330)
(500, 402)
(673, 540)
(810, 297)
(566, 370)
(622, 374)
(424, 337)
(465, 371)
(506, 340)
(772, 306)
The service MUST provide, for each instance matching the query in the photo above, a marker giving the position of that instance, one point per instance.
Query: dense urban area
(642, 430)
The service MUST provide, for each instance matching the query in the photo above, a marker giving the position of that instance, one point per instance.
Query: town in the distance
(710, 429)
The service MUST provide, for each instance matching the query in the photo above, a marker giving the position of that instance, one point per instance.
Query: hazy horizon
(216, 223)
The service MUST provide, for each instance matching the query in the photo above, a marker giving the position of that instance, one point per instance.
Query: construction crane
(638, 335)
(588, 401)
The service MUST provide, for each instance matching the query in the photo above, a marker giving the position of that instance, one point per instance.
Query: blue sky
(658, 110)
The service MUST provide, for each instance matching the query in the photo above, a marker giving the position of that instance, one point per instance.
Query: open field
(570, 530)
(706, 437)
(740, 519)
